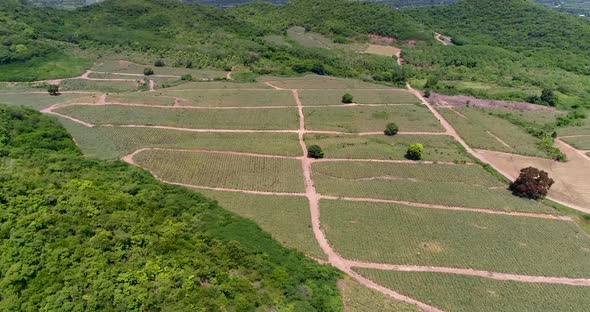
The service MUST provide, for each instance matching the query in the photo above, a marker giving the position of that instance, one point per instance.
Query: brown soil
(463, 100)
(381, 40)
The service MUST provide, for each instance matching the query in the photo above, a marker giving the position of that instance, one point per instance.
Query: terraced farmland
(466, 293)
(392, 233)
(578, 142)
(414, 118)
(254, 119)
(235, 97)
(125, 67)
(102, 86)
(224, 171)
(320, 82)
(334, 97)
(145, 98)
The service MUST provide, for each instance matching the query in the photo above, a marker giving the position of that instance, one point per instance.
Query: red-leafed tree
(532, 183)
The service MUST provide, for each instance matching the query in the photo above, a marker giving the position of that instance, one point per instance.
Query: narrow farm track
(472, 272)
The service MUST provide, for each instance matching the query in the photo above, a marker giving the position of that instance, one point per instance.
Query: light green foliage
(280, 118)
(438, 148)
(453, 185)
(334, 97)
(225, 171)
(81, 216)
(103, 86)
(235, 97)
(465, 294)
(415, 151)
(285, 218)
(397, 234)
(371, 119)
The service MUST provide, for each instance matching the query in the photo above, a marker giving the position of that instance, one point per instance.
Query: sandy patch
(464, 100)
(382, 50)
(572, 185)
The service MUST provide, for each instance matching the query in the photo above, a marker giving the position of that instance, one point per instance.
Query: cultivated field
(354, 119)
(237, 144)
(391, 233)
(578, 142)
(466, 293)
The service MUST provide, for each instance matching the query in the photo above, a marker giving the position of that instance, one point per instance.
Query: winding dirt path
(472, 272)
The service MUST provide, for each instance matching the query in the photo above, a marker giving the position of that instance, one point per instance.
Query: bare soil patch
(382, 50)
(381, 40)
(464, 100)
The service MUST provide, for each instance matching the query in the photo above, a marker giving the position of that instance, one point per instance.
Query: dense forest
(65, 220)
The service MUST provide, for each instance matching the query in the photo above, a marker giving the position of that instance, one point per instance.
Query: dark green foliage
(415, 151)
(83, 235)
(159, 63)
(315, 151)
(53, 89)
(148, 71)
(532, 183)
(549, 97)
(347, 98)
(427, 93)
(391, 129)
(187, 77)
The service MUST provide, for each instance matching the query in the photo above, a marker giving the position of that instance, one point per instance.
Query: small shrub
(187, 77)
(427, 93)
(532, 183)
(415, 151)
(159, 63)
(391, 129)
(53, 90)
(347, 98)
(148, 71)
(315, 151)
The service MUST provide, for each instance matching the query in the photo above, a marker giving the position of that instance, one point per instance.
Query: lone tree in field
(532, 183)
(391, 129)
(159, 63)
(347, 98)
(415, 151)
(148, 71)
(53, 89)
(315, 151)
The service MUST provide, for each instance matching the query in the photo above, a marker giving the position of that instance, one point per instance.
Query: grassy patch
(236, 97)
(227, 171)
(437, 148)
(334, 97)
(287, 219)
(141, 98)
(371, 119)
(484, 131)
(220, 85)
(36, 101)
(465, 293)
(389, 233)
(582, 143)
(125, 67)
(104, 86)
(256, 119)
(320, 82)
(453, 185)
(358, 298)
(54, 66)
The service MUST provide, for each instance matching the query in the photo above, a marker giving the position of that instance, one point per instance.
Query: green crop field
(211, 85)
(359, 298)
(124, 67)
(582, 143)
(37, 101)
(252, 119)
(398, 234)
(583, 129)
(371, 119)
(479, 128)
(436, 147)
(452, 185)
(334, 97)
(225, 171)
(236, 97)
(466, 293)
(320, 82)
(104, 86)
(535, 117)
(146, 98)
(285, 218)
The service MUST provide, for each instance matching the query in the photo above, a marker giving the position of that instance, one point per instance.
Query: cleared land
(125, 67)
(398, 234)
(466, 293)
(255, 119)
(484, 131)
(143, 98)
(437, 147)
(413, 118)
(38, 100)
(358, 298)
(382, 50)
(451, 185)
(285, 218)
(236, 97)
(214, 85)
(224, 171)
(334, 97)
(320, 82)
